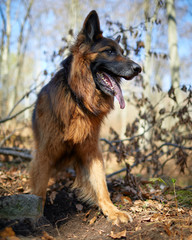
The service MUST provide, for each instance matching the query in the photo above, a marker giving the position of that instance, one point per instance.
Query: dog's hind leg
(40, 171)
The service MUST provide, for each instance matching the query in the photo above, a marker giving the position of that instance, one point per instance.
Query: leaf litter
(157, 216)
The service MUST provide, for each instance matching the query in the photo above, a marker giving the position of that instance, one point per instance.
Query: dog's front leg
(98, 183)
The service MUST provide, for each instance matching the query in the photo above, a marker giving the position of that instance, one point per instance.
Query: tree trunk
(147, 62)
(144, 123)
(6, 58)
(21, 52)
(173, 43)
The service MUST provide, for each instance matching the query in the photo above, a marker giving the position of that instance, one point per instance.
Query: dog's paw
(117, 217)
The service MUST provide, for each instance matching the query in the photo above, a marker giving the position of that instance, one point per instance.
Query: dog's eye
(110, 51)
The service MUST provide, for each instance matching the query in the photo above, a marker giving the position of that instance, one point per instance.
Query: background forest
(152, 136)
(156, 124)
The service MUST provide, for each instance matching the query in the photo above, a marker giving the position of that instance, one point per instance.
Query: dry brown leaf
(20, 189)
(146, 219)
(167, 230)
(159, 206)
(52, 196)
(180, 210)
(190, 237)
(27, 190)
(125, 199)
(138, 202)
(93, 220)
(7, 232)
(137, 228)
(136, 209)
(24, 179)
(3, 176)
(156, 217)
(84, 219)
(87, 213)
(46, 236)
(118, 235)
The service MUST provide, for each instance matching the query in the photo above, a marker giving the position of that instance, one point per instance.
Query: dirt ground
(160, 215)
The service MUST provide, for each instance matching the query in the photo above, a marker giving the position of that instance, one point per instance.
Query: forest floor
(162, 214)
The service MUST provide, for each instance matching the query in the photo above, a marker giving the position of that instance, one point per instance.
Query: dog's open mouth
(109, 85)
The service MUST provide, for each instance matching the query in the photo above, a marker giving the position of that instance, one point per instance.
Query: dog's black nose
(136, 68)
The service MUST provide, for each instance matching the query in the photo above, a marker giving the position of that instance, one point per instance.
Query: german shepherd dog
(70, 110)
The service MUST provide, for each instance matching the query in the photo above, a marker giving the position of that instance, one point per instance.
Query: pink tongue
(117, 89)
(119, 96)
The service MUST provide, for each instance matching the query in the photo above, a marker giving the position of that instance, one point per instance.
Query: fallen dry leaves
(155, 218)
(173, 220)
(14, 181)
(118, 235)
(93, 220)
(8, 233)
(46, 236)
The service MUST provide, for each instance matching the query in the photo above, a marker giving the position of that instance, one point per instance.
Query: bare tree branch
(15, 115)
(3, 19)
(144, 157)
(24, 96)
(13, 153)
(6, 138)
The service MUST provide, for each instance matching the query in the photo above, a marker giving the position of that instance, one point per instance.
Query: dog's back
(48, 108)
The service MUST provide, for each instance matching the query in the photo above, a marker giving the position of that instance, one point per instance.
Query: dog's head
(105, 56)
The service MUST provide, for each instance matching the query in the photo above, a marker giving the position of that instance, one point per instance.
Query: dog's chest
(80, 128)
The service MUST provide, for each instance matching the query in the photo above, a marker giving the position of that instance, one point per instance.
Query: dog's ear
(91, 26)
(118, 38)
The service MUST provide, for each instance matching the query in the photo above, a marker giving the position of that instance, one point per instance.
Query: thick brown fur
(67, 118)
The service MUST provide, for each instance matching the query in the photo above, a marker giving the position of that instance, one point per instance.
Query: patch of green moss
(184, 197)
